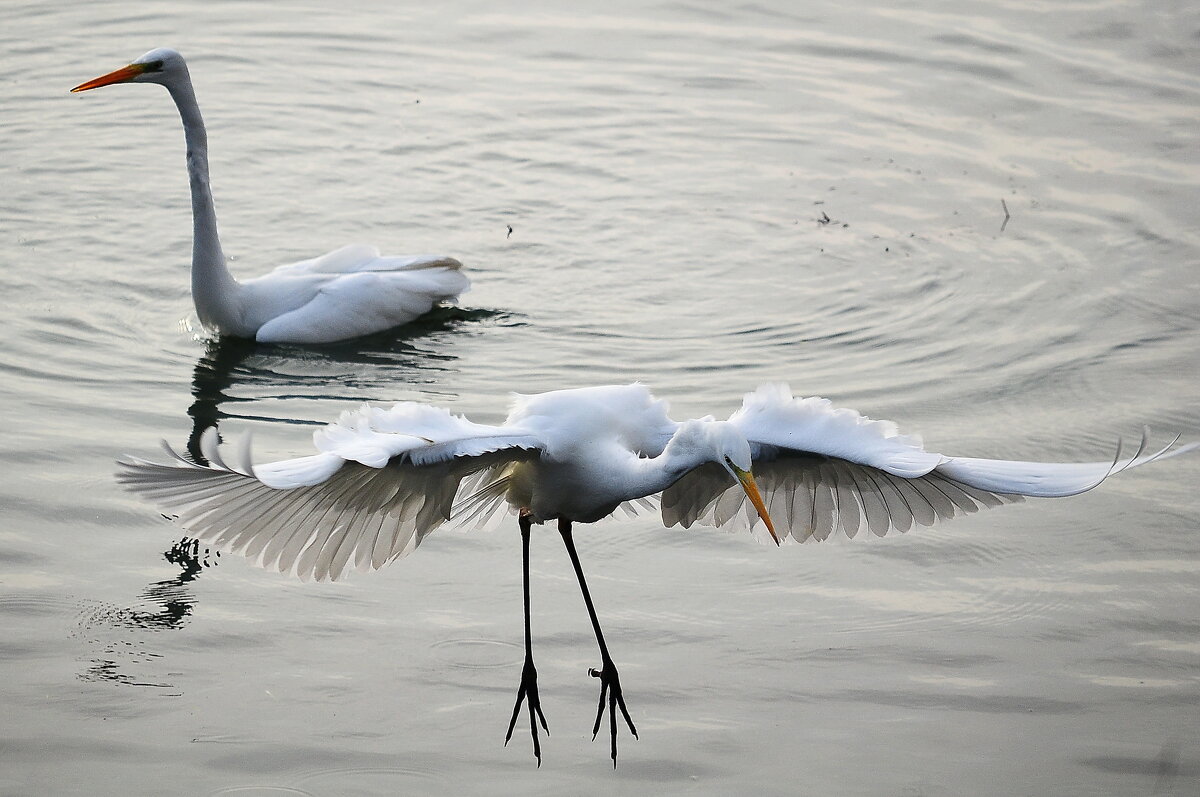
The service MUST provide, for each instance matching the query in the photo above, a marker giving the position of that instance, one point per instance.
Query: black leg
(610, 681)
(528, 689)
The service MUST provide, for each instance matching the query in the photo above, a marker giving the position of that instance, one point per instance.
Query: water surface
(704, 197)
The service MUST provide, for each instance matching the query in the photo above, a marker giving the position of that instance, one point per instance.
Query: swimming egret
(384, 478)
(346, 293)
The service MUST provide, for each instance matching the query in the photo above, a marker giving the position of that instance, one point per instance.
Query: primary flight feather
(347, 293)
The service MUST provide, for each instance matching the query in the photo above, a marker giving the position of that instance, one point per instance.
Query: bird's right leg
(528, 689)
(610, 681)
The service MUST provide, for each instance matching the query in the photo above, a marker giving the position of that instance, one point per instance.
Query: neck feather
(214, 290)
(680, 457)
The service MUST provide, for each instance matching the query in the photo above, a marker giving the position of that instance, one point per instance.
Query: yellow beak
(121, 75)
(747, 480)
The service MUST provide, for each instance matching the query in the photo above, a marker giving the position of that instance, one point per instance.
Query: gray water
(704, 197)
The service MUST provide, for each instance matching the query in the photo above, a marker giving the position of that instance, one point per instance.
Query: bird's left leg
(528, 689)
(610, 681)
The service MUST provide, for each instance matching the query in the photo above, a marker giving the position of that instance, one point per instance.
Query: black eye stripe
(153, 66)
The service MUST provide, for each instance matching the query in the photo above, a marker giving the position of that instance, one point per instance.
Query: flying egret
(384, 478)
(346, 293)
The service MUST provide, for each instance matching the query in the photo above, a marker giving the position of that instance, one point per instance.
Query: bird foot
(610, 687)
(529, 691)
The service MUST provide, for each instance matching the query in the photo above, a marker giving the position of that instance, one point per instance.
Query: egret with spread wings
(384, 478)
(347, 293)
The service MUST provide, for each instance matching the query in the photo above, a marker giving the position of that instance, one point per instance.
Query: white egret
(346, 293)
(384, 478)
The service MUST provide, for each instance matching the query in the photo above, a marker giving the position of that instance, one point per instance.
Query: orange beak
(747, 480)
(122, 75)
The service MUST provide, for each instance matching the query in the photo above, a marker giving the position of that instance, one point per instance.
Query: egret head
(156, 66)
(728, 447)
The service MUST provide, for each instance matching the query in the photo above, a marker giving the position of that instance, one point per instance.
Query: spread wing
(370, 495)
(822, 469)
(810, 496)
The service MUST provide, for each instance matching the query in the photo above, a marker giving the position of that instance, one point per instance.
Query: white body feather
(382, 479)
(350, 292)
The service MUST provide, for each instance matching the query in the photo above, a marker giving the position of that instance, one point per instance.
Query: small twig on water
(1004, 205)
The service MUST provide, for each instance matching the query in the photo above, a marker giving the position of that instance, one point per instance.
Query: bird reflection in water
(170, 602)
(233, 371)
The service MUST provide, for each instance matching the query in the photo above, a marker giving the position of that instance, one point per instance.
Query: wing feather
(356, 515)
(692, 495)
(363, 257)
(803, 507)
(824, 504)
(900, 513)
(849, 517)
(772, 416)
(817, 497)
(922, 510)
(875, 502)
(289, 533)
(813, 495)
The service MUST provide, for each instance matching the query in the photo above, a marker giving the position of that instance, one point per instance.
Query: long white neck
(685, 452)
(214, 290)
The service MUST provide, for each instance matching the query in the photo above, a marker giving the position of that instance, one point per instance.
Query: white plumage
(347, 293)
(383, 479)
